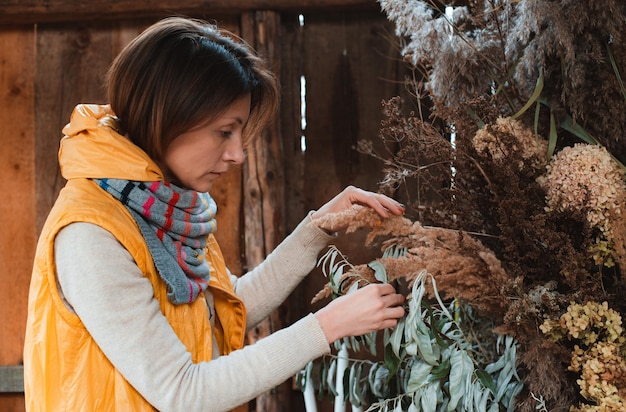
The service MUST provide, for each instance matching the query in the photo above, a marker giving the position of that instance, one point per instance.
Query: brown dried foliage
(484, 230)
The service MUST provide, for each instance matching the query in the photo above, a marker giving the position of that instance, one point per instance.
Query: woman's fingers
(383, 205)
(374, 307)
(393, 300)
(392, 310)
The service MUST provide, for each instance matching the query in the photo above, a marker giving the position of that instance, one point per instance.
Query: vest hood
(91, 148)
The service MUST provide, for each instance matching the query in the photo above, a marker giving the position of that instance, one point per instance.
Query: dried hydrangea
(602, 253)
(508, 135)
(600, 356)
(586, 323)
(603, 374)
(585, 178)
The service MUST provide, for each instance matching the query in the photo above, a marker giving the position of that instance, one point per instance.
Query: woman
(131, 306)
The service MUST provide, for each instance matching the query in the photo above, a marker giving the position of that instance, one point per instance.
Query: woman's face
(198, 157)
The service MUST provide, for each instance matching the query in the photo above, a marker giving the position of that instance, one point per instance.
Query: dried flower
(585, 178)
(477, 65)
(509, 135)
(355, 217)
(463, 266)
(600, 357)
(603, 375)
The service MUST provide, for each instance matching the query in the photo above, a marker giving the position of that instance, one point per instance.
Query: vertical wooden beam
(264, 188)
(263, 172)
(17, 168)
(292, 69)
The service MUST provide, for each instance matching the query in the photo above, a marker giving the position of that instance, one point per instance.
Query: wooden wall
(52, 59)
(17, 209)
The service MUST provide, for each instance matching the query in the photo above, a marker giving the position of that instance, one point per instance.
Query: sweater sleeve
(268, 285)
(125, 321)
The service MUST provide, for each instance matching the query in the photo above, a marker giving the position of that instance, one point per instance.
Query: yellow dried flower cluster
(601, 367)
(602, 253)
(600, 358)
(585, 323)
(488, 140)
(585, 178)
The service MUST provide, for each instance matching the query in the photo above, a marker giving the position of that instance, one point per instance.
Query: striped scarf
(175, 224)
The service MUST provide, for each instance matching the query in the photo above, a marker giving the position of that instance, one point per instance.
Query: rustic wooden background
(53, 55)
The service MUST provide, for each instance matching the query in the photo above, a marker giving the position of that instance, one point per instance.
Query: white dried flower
(585, 178)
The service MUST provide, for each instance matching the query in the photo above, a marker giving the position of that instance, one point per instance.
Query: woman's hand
(383, 205)
(371, 308)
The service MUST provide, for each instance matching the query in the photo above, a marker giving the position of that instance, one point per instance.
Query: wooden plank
(42, 11)
(17, 210)
(227, 193)
(350, 64)
(263, 174)
(263, 170)
(292, 68)
(72, 62)
(263, 190)
(11, 379)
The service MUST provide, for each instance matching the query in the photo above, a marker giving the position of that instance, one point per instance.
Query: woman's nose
(234, 151)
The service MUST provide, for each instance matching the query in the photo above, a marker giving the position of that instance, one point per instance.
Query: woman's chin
(204, 187)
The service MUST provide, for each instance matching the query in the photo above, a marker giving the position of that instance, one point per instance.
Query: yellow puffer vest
(64, 369)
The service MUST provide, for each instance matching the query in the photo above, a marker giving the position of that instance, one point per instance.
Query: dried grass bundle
(463, 267)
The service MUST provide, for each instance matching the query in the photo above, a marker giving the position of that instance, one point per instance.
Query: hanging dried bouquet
(510, 159)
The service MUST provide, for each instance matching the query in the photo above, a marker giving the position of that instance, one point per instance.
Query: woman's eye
(226, 133)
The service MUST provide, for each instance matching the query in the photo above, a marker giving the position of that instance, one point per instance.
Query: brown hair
(181, 73)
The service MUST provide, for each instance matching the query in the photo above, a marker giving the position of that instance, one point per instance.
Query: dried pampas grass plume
(357, 217)
(463, 267)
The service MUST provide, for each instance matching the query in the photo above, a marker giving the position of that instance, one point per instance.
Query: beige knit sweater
(102, 285)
